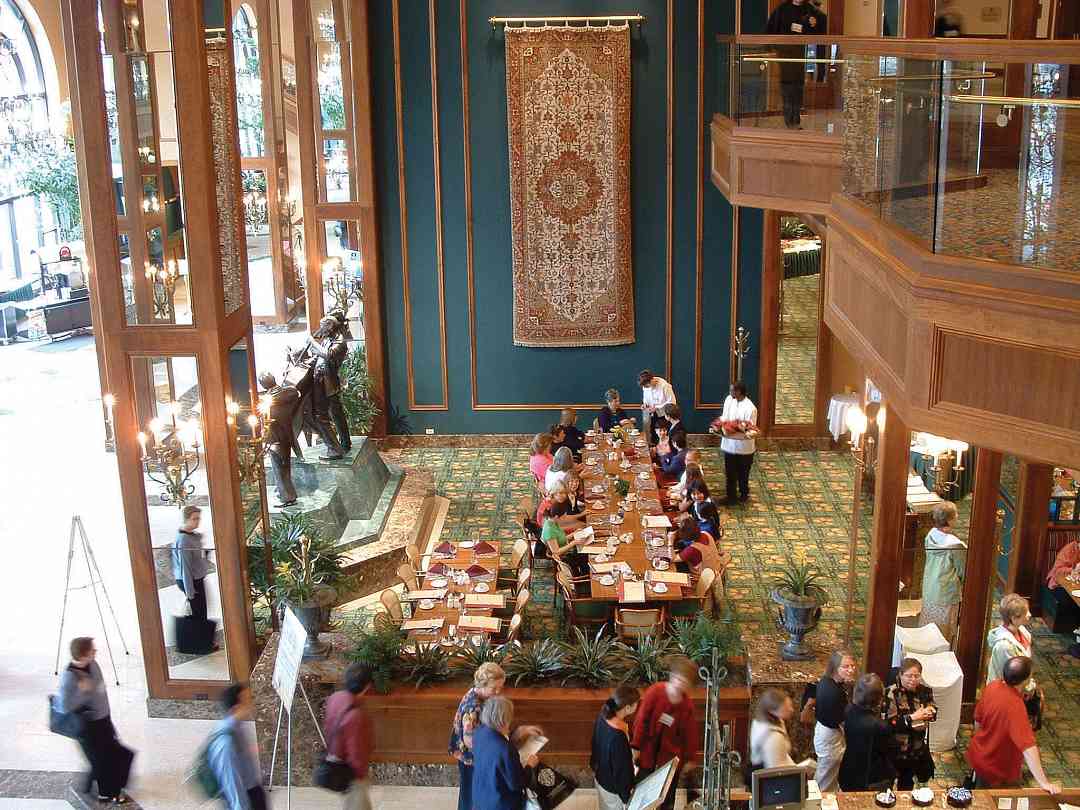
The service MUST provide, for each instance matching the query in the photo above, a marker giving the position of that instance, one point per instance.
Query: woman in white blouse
(561, 466)
(770, 746)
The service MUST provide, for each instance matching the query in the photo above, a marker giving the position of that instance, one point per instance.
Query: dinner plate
(598, 505)
(439, 582)
(590, 446)
(615, 520)
(597, 489)
(427, 604)
(660, 564)
(635, 432)
(643, 475)
(468, 543)
(481, 587)
(601, 558)
(659, 587)
(607, 579)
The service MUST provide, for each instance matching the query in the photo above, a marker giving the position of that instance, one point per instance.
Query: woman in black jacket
(612, 761)
(909, 708)
(868, 760)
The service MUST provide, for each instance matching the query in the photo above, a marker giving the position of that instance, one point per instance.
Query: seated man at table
(565, 548)
(566, 434)
(612, 413)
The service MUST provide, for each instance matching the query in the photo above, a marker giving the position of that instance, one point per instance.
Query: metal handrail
(1016, 101)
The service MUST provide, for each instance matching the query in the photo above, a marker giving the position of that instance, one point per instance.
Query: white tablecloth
(942, 673)
(926, 639)
(838, 408)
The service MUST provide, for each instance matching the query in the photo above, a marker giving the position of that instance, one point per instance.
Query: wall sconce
(151, 203)
(251, 448)
(173, 457)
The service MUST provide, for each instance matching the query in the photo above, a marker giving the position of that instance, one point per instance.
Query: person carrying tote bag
(350, 739)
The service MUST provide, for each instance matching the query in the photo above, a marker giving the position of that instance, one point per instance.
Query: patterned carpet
(799, 509)
(796, 354)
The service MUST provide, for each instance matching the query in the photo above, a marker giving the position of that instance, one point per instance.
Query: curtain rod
(544, 22)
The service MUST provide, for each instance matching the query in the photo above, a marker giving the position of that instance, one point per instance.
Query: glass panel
(724, 51)
(791, 86)
(169, 414)
(260, 265)
(343, 273)
(797, 330)
(335, 164)
(249, 101)
(112, 120)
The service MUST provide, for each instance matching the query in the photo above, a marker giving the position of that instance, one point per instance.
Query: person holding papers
(566, 548)
(499, 776)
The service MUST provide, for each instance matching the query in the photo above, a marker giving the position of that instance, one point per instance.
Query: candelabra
(740, 348)
(256, 212)
(151, 204)
(173, 457)
(163, 285)
(947, 457)
(343, 289)
(864, 456)
(251, 449)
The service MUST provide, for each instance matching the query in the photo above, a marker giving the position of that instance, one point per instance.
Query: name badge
(667, 719)
(796, 28)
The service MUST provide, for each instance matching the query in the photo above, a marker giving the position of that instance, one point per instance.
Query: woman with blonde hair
(540, 456)
(488, 681)
(943, 573)
(1008, 640)
(770, 746)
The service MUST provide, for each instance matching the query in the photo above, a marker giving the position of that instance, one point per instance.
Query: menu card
(657, 522)
(631, 591)
(670, 577)
(423, 624)
(428, 594)
(485, 600)
(595, 548)
(486, 624)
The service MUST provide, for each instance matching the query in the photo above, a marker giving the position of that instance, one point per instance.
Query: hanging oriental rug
(568, 114)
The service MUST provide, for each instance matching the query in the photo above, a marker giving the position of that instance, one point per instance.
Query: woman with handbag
(350, 740)
(82, 692)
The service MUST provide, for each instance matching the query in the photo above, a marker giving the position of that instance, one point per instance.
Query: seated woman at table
(692, 460)
(703, 510)
(909, 706)
(1067, 562)
(561, 466)
(557, 506)
(612, 413)
(697, 549)
(571, 436)
(693, 473)
(540, 457)
(565, 548)
(575, 493)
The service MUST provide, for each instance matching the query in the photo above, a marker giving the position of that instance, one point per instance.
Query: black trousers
(737, 472)
(257, 798)
(792, 94)
(198, 599)
(908, 769)
(110, 762)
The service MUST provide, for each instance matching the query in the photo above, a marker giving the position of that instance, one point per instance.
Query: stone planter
(312, 617)
(797, 616)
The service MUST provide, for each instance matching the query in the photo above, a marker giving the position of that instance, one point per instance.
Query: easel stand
(94, 574)
(282, 710)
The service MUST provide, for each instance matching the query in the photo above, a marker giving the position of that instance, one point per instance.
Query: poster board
(290, 653)
(650, 791)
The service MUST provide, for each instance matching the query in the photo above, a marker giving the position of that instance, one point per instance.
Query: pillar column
(1029, 550)
(979, 569)
(890, 506)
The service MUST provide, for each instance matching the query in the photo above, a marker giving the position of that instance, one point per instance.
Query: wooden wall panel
(873, 313)
(978, 372)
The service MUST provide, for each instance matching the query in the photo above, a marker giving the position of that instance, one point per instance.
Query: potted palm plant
(309, 580)
(800, 598)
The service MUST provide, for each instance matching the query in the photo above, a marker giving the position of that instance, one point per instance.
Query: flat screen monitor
(778, 789)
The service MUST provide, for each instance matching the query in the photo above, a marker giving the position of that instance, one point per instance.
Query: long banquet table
(607, 460)
(447, 575)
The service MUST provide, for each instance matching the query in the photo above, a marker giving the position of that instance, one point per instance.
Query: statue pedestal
(348, 499)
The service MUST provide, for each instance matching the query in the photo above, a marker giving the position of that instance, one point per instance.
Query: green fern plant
(697, 638)
(469, 657)
(622, 486)
(589, 659)
(646, 661)
(356, 393)
(380, 649)
(425, 664)
(535, 663)
(799, 579)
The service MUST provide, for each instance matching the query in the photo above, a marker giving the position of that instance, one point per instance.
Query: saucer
(644, 476)
(481, 587)
(427, 604)
(597, 489)
(601, 558)
(660, 564)
(468, 543)
(607, 579)
(615, 520)
(592, 460)
(658, 587)
(440, 582)
(656, 542)
(590, 446)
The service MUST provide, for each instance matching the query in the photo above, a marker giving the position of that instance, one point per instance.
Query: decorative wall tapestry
(568, 111)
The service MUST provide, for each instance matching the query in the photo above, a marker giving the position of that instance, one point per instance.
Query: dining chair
(581, 610)
(415, 560)
(692, 605)
(394, 616)
(407, 575)
(509, 577)
(633, 624)
(513, 627)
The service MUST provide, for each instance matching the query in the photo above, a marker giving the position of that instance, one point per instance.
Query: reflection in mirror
(249, 100)
(259, 249)
(335, 184)
(112, 120)
(799, 321)
(343, 274)
(144, 107)
(179, 515)
(940, 490)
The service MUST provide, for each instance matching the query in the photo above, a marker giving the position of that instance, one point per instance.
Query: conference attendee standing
(830, 702)
(82, 691)
(499, 778)
(1003, 740)
(349, 735)
(612, 760)
(943, 572)
(189, 564)
(738, 416)
(1009, 639)
(656, 394)
(801, 18)
(488, 682)
(868, 760)
(233, 755)
(909, 708)
(770, 746)
(665, 725)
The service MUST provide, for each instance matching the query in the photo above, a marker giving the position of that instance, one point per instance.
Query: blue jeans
(464, 796)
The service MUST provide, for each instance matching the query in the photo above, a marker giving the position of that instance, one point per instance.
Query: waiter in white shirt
(739, 415)
(656, 393)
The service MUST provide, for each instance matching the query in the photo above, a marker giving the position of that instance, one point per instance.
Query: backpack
(201, 774)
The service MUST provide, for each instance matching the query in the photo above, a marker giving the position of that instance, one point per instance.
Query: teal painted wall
(506, 373)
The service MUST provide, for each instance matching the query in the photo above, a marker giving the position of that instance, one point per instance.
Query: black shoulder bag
(333, 774)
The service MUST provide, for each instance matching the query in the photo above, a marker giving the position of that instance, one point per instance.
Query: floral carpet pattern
(799, 509)
(796, 353)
